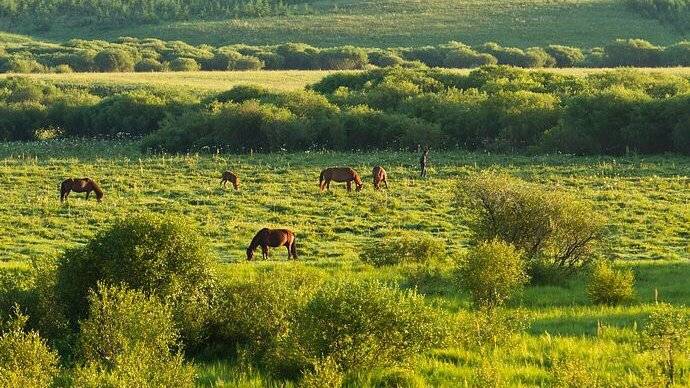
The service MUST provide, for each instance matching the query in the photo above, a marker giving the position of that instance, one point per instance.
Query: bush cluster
(556, 232)
(494, 107)
(493, 272)
(149, 54)
(609, 286)
(159, 256)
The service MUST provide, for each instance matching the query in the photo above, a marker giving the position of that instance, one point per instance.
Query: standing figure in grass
(380, 176)
(80, 185)
(273, 238)
(339, 174)
(230, 176)
(424, 162)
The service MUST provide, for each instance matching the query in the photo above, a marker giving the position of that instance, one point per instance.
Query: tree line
(153, 55)
(494, 108)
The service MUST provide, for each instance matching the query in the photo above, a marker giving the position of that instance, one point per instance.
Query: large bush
(362, 325)
(609, 286)
(566, 56)
(257, 315)
(665, 335)
(25, 359)
(493, 272)
(556, 232)
(160, 256)
(402, 247)
(129, 339)
(633, 52)
(114, 60)
(184, 64)
(343, 58)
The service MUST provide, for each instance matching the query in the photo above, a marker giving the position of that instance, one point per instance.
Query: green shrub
(609, 286)
(632, 52)
(248, 63)
(258, 315)
(566, 56)
(62, 69)
(119, 320)
(299, 56)
(666, 335)
(363, 325)
(465, 57)
(551, 227)
(488, 375)
(571, 372)
(326, 374)
(385, 58)
(148, 65)
(343, 58)
(25, 359)
(677, 54)
(114, 60)
(184, 64)
(493, 272)
(20, 65)
(402, 247)
(160, 256)
(129, 339)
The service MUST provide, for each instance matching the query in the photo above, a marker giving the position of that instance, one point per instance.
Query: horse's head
(250, 254)
(359, 186)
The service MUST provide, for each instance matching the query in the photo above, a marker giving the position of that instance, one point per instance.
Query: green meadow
(646, 201)
(391, 23)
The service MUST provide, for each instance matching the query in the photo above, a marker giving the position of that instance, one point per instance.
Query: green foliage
(148, 65)
(128, 339)
(343, 58)
(566, 56)
(326, 374)
(160, 256)
(493, 272)
(362, 325)
(609, 286)
(488, 329)
(554, 230)
(184, 64)
(572, 372)
(25, 359)
(396, 377)
(673, 12)
(633, 52)
(402, 247)
(258, 316)
(114, 60)
(666, 335)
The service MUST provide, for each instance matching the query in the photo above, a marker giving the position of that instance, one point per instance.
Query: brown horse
(230, 176)
(273, 238)
(339, 174)
(80, 185)
(380, 176)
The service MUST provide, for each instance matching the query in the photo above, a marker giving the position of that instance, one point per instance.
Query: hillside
(391, 23)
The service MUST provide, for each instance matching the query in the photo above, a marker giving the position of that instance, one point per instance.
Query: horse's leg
(293, 249)
(87, 194)
(328, 184)
(349, 186)
(288, 249)
(385, 183)
(264, 252)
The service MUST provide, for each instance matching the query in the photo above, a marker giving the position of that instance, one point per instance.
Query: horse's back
(339, 174)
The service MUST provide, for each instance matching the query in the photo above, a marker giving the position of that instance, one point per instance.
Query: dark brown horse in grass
(80, 185)
(380, 176)
(339, 174)
(230, 176)
(266, 238)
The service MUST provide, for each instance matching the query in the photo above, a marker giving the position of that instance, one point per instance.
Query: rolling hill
(392, 23)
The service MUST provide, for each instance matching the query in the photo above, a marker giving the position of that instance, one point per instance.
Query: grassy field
(389, 23)
(215, 81)
(646, 200)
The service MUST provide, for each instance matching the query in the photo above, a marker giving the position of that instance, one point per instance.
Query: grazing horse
(380, 176)
(273, 238)
(230, 176)
(339, 174)
(80, 185)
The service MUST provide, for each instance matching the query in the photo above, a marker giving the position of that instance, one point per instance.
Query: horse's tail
(293, 246)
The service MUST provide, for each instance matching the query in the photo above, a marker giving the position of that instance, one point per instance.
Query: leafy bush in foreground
(666, 336)
(556, 232)
(25, 359)
(493, 271)
(128, 339)
(609, 286)
(362, 325)
(402, 247)
(159, 256)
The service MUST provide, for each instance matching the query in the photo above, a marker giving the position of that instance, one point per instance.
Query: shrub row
(153, 55)
(493, 107)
